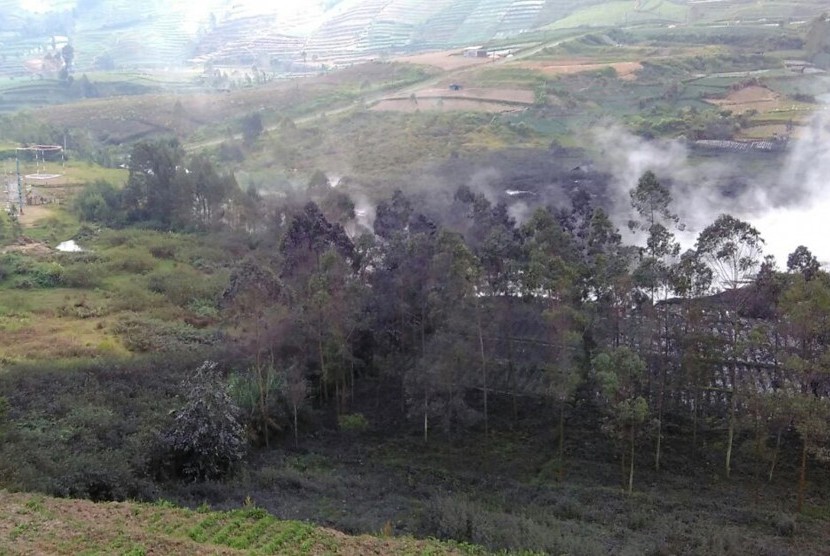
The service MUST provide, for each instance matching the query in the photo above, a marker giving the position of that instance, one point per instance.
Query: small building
(475, 52)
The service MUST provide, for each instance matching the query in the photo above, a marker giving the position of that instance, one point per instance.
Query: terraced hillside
(159, 34)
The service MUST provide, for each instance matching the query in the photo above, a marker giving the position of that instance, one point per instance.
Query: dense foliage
(447, 320)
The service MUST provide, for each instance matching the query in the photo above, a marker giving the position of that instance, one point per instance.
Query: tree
(732, 248)
(68, 55)
(620, 373)
(257, 391)
(296, 392)
(803, 262)
(153, 191)
(651, 200)
(252, 127)
(806, 309)
(552, 273)
(99, 201)
(691, 278)
(205, 441)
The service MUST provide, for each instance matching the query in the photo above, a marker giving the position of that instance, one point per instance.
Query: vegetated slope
(121, 119)
(40, 525)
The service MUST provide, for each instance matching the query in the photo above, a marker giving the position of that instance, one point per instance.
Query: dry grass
(446, 60)
(443, 105)
(753, 98)
(625, 70)
(511, 95)
(33, 524)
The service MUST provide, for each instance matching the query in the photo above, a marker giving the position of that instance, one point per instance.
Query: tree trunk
(483, 373)
(802, 476)
(775, 454)
(659, 438)
(510, 368)
(696, 405)
(631, 464)
(323, 377)
(561, 440)
(623, 452)
(426, 417)
(733, 402)
(296, 435)
(263, 403)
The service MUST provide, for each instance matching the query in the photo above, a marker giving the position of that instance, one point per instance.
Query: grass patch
(48, 525)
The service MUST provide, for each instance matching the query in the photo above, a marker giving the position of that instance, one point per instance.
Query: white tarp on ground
(69, 247)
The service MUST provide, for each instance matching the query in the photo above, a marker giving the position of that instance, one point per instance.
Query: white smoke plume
(790, 207)
(801, 196)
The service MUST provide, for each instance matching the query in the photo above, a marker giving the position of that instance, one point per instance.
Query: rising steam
(790, 207)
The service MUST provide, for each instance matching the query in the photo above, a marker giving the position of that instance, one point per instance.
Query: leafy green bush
(353, 422)
(131, 296)
(132, 261)
(184, 286)
(41, 275)
(83, 275)
(99, 201)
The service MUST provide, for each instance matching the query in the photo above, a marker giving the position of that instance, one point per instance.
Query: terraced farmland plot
(620, 12)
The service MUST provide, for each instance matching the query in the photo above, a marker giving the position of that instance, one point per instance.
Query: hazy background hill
(126, 34)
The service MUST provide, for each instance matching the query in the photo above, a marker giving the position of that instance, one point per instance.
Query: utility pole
(19, 186)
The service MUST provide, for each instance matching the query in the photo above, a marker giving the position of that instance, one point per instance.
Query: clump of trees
(459, 313)
(166, 190)
(458, 319)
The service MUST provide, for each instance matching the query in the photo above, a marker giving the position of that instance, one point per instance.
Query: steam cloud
(790, 206)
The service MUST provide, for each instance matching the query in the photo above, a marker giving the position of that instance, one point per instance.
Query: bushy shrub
(99, 201)
(206, 440)
(460, 519)
(785, 525)
(101, 478)
(163, 250)
(44, 275)
(82, 275)
(353, 422)
(183, 286)
(132, 261)
(145, 334)
(130, 296)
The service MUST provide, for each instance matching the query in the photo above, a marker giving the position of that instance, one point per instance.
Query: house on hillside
(475, 52)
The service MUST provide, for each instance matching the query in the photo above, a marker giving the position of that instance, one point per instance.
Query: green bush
(131, 296)
(99, 201)
(132, 261)
(184, 286)
(353, 422)
(43, 275)
(83, 275)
